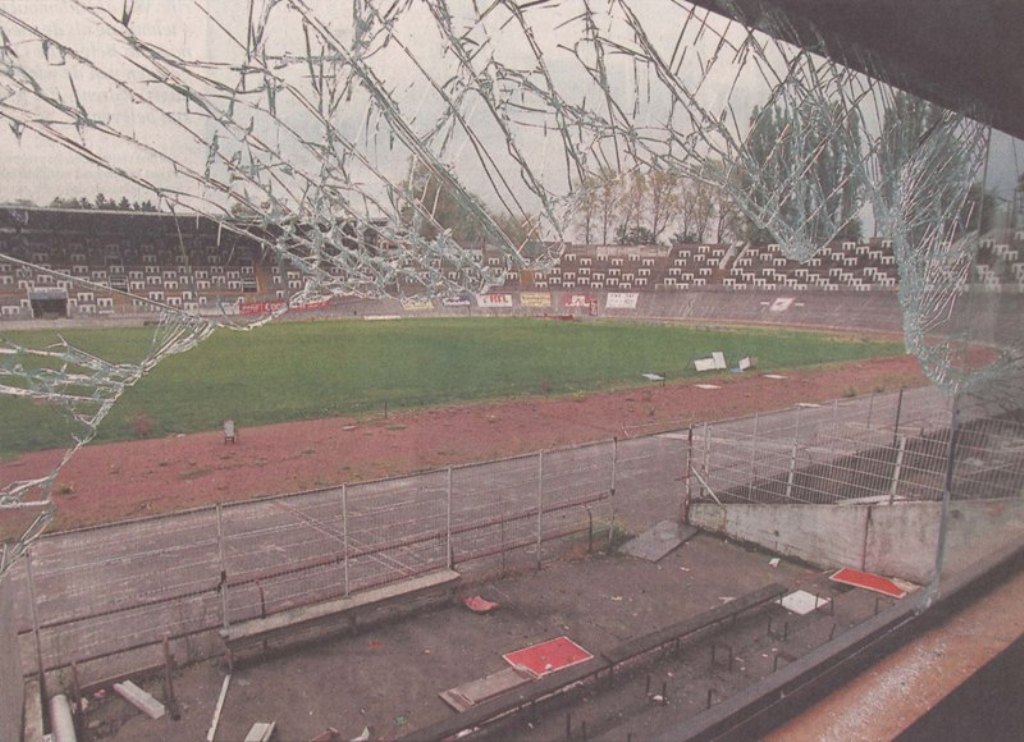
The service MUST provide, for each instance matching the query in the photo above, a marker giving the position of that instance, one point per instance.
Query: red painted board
(547, 657)
(868, 581)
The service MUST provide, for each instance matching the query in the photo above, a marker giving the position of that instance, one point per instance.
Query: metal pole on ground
(540, 502)
(344, 533)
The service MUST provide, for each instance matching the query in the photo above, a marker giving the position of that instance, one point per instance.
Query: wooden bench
(286, 623)
(562, 681)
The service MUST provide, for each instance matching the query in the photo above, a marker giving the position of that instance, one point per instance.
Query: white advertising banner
(621, 301)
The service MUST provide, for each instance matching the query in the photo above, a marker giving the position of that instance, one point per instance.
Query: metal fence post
(707, 452)
(540, 502)
(792, 472)
(684, 514)
(791, 477)
(830, 490)
(615, 469)
(344, 534)
(501, 529)
(753, 459)
(450, 558)
(897, 469)
(225, 621)
(947, 490)
(896, 422)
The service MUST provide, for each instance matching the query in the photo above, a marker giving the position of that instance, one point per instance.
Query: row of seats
(194, 271)
(839, 266)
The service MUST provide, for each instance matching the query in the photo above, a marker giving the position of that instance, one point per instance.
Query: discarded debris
(363, 736)
(401, 720)
(483, 689)
(261, 731)
(140, 699)
(478, 604)
(61, 720)
(547, 657)
(868, 581)
(774, 562)
(707, 386)
(220, 707)
(802, 602)
(330, 734)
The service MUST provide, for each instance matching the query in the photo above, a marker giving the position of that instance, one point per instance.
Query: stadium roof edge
(965, 55)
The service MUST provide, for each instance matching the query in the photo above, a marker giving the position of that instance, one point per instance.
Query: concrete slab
(658, 542)
(467, 695)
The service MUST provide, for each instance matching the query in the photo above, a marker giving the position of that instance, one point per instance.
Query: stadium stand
(59, 263)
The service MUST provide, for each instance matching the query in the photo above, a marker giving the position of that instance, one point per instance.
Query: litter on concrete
(802, 602)
(868, 581)
(261, 731)
(140, 699)
(548, 657)
(478, 604)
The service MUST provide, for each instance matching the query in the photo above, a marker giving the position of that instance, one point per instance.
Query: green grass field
(292, 371)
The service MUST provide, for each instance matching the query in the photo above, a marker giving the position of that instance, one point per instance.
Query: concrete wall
(897, 540)
(824, 535)
(12, 684)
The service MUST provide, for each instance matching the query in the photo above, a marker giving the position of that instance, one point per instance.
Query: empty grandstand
(89, 264)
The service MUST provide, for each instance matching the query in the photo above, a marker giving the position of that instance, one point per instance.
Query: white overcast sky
(37, 170)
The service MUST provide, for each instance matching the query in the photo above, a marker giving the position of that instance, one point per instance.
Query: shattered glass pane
(369, 149)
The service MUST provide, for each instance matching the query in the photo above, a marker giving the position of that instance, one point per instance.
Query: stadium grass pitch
(307, 370)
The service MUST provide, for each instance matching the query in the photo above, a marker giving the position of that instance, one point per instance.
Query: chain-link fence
(884, 448)
(106, 597)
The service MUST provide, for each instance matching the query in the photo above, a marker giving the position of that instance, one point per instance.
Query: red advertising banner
(494, 300)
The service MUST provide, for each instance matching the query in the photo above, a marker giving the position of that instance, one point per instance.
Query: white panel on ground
(802, 602)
